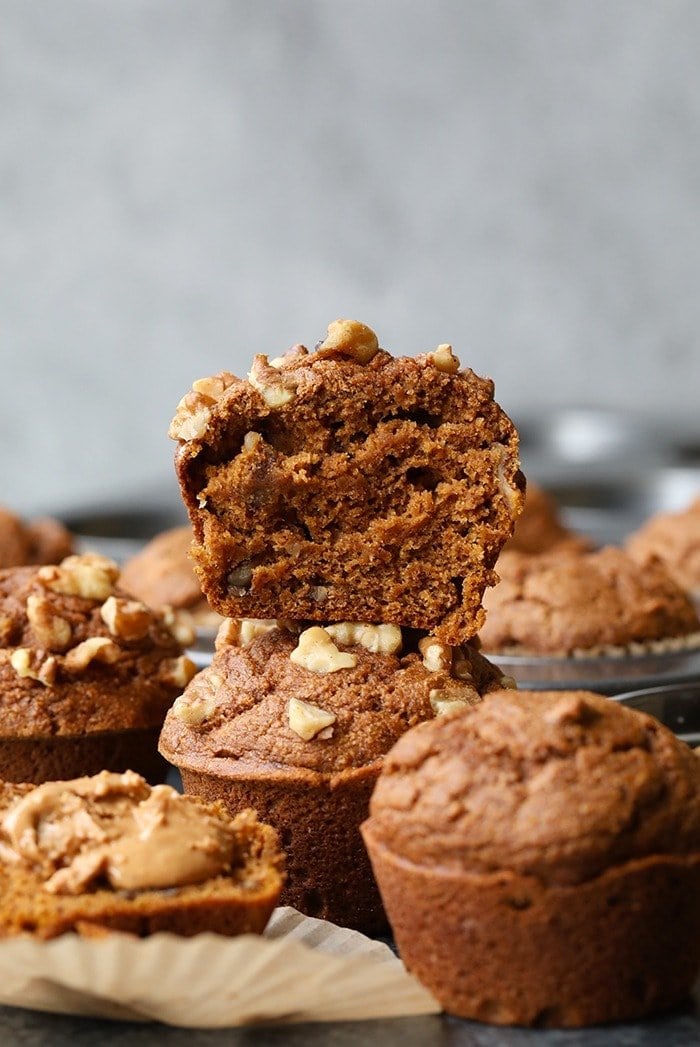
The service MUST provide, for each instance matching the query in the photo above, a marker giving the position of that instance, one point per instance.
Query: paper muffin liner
(300, 970)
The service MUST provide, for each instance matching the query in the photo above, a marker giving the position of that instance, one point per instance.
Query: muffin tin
(676, 705)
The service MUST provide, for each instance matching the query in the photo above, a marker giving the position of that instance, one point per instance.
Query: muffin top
(162, 575)
(565, 602)
(40, 541)
(322, 701)
(539, 527)
(78, 654)
(346, 484)
(556, 785)
(673, 538)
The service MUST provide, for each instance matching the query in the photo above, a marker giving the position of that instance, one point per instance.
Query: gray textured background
(186, 183)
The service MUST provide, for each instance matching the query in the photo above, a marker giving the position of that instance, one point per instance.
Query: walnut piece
(177, 671)
(309, 721)
(380, 639)
(193, 413)
(199, 701)
(317, 653)
(275, 387)
(349, 338)
(89, 576)
(437, 657)
(95, 648)
(179, 626)
(50, 630)
(444, 359)
(444, 700)
(127, 619)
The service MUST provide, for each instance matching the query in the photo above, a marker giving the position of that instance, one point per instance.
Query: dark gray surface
(679, 1028)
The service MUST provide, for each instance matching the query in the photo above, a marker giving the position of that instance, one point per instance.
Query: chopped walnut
(446, 699)
(7, 628)
(437, 657)
(275, 387)
(50, 630)
(380, 639)
(193, 413)
(349, 338)
(179, 626)
(239, 632)
(513, 497)
(309, 721)
(444, 359)
(90, 576)
(95, 648)
(199, 701)
(177, 671)
(127, 619)
(317, 653)
(251, 441)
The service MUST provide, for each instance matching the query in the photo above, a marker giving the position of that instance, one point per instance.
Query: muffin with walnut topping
(295, 722)
(86, 673)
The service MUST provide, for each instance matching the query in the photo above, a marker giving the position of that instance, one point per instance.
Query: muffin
(539, 527)
(539, 859)
(348, 485)
(585, 604)
(673, 538)
(109, 853)
(162, 575)
(39, 541)
(296, 724)
(86, 673)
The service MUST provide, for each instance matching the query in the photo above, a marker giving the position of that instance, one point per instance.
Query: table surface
(678, 1028)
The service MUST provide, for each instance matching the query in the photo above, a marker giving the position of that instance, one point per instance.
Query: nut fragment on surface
(444, 359)
(275, 387)
(239, 632)
(29, 664)
(50, 630)
(193, 413)
(127, 619)
(350, 338)
(179, 627)
(379, 639)
(309, 721)
(199, 703)
(446, 699)
(317, 653)
(90, 576)
(437, 657)
(177, 671)
(96, 648)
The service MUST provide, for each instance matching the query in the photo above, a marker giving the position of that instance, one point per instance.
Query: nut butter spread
(115, 829)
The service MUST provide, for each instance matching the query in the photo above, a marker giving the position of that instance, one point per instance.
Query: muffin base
(318, 819)
(509, 950)
(62, 757)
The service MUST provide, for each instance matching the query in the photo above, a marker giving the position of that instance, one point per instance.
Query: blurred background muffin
(40, 541)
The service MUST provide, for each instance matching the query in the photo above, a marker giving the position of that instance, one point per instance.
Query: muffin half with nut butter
(86, 673)
(295, 721)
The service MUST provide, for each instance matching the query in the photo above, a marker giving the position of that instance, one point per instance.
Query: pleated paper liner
(301, 970)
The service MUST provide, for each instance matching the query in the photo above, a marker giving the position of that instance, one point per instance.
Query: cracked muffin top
(673, 538)
(567, 602)
(349, 485)
(556, 785)
(78, 654)
(322, 700)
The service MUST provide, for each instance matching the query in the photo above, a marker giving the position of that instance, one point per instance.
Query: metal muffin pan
(676, 705)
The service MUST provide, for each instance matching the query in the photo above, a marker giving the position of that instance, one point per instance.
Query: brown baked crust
(315, 792)
(133, 689)
(61, 757)
(562, 602)
(40, 541)
(553, 839)
(539, 527)
(377, 491)
(240, 901)
(673, 538)
(162, 575)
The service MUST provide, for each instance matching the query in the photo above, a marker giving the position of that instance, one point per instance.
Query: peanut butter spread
(115, 829)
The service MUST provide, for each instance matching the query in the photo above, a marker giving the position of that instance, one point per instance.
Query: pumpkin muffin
(108, 853)
(539, 858)
(349, 485)
(39, 541)
(86, 673)
(295, 722)
(585, 604)
(162, 575)
(673, 538)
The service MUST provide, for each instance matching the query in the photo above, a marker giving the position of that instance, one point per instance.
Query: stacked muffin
(347, 508)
